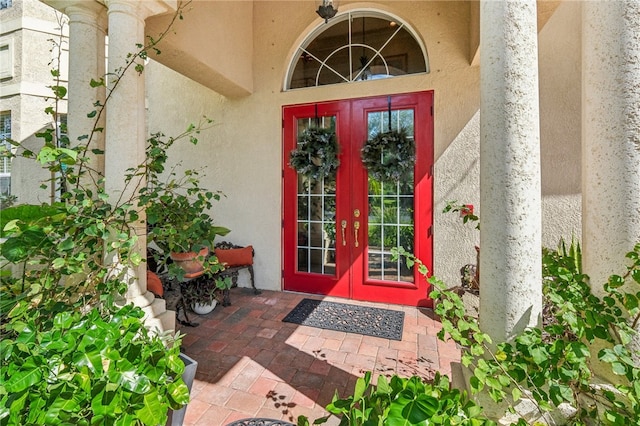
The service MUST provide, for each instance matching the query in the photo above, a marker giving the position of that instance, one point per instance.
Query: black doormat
(364, 320)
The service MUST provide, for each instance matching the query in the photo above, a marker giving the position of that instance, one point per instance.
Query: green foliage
(316, 154)
(465, 212)
(176, 206)
(177, 209)
(94, 368)
(550, 366)
(68, 353)
(404, 401)
(389, 156)
(6, 200)
(204, 291)
(385, 210)
(60, 250)
(553, 365)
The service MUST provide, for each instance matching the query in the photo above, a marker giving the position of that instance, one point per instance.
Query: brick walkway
(251, 364)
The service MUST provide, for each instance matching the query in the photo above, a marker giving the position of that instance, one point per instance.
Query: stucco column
(610, 138)
(126, 131)
(510, 223)
(87, 22)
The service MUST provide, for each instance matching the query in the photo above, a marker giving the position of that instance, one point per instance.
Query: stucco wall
(457, 178)
(560, 124)
(213, 45)
(244, 155)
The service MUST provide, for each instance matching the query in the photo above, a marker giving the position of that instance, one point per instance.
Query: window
(357, 46)
(6, 59)
(4, 4)
(5, 147)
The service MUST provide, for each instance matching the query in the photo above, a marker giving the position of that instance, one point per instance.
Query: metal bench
(235, 258)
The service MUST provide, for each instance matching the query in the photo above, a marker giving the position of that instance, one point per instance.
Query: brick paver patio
(251, 364)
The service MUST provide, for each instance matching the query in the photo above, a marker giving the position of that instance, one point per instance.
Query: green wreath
(389, 156)
(317, 153)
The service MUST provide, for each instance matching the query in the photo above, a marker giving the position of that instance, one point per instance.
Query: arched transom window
(356, 46)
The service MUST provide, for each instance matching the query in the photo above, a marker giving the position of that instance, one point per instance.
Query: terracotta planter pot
(190, 262)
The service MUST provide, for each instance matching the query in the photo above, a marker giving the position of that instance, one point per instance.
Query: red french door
(339, 231)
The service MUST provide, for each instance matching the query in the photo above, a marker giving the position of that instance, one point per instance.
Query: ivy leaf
(59, 91)
(58, 263)
(476, 384)
(560, 393)
(96, 83)
(607, 355)
(516, 394)
(540, 356)
(47, 154)
(630, 301)
(500, 355)
(618, 368)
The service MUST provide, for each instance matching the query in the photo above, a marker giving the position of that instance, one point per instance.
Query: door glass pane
(391, 211)
(316, 215)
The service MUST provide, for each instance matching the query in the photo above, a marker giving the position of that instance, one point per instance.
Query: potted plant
(178, 221)
(202, 294)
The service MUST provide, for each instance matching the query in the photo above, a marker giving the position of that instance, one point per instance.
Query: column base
(157, 317)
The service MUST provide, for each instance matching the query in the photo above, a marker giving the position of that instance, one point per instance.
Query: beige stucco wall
(212, 46)
(457, 178)
(560, 124)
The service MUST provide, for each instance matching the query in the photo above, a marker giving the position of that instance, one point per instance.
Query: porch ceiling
(215, 47)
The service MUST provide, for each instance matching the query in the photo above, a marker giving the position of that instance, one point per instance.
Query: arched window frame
(350, 16)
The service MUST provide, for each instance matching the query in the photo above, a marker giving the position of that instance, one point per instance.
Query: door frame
(415, 293)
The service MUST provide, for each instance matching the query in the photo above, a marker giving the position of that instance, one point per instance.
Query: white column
(87, 21)
(510, 224)
(126, 131)
(610, 138)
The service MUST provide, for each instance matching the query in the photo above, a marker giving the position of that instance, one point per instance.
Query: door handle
(356, 226)
(343, 226)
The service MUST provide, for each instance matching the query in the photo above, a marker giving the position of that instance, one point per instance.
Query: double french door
(339, 230)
